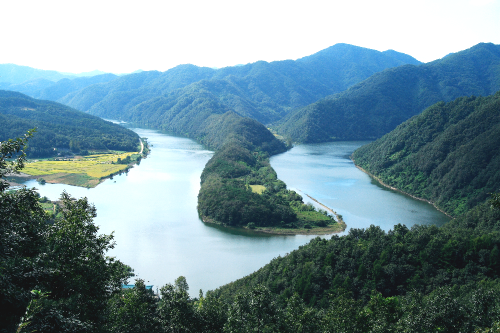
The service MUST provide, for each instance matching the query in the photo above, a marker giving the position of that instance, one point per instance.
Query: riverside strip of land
(85, 171)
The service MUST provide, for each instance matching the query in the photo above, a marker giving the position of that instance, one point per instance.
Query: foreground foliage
(54, 274)
(55, 277)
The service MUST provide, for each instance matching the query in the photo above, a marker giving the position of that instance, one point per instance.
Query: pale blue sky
(123, 36)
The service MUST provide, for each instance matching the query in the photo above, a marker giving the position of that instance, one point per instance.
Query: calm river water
(152, 210)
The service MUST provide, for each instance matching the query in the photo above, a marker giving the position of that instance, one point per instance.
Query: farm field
(84, 171)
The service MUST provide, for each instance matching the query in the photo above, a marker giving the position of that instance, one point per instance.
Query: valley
(235, 209)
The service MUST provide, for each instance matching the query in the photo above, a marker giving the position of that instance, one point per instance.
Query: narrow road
(142, 146)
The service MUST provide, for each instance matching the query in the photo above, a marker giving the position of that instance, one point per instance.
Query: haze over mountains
(15, 74)
(344, 92)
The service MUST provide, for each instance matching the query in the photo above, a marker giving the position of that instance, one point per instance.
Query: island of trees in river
(406, 280)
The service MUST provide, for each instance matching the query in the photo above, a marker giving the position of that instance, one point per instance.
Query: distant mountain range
(15, 74)
(344, 92)
(46, 89)
(263, 91)
(377, 105)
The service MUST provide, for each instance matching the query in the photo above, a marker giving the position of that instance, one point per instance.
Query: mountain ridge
(378, 104)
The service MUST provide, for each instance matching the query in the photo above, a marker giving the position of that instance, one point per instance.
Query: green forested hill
(59, 126)
(449, 154)
(377, 105)
(112, 99)
(263, 91)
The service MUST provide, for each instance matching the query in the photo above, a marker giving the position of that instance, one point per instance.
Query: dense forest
(449, 154)
(377, 105)
(60, 129)
(56, 277)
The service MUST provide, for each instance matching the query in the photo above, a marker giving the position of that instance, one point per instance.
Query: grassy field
(84, 171)
(257, 188)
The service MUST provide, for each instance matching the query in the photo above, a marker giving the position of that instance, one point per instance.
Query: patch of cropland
(60, 129)
(84, 171)
(377, 105)
(449, 154)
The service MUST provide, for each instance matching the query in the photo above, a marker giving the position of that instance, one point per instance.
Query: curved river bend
(152, 211)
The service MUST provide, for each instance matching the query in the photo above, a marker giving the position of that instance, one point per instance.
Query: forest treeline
(423, 279)
(374, 107)
(341, 93)
(59, 128)
(449, 154)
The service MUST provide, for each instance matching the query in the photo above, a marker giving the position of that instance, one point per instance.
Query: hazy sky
(123, 36)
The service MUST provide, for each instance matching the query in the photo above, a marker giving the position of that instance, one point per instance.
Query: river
(325, 172)
(152, 211)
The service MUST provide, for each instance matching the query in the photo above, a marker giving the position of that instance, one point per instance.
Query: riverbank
(398, 190)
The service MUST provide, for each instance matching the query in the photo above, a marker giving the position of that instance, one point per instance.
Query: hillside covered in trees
(59, 128)
(449, 154)
(263, 91)
(56, 275)
(377, 105)
(239, 187)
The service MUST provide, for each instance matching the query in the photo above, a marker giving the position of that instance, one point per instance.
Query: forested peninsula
(239, 188)
(422, 279)
(56, 275)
